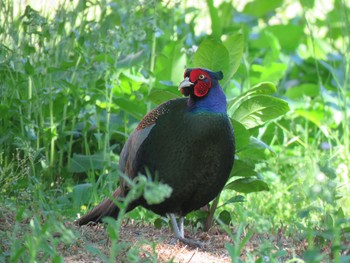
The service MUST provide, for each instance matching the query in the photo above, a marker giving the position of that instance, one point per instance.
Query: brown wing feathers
(105, 208)
(126, 165)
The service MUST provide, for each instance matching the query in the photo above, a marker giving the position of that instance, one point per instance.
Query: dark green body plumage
(191, 152)
(187, 143)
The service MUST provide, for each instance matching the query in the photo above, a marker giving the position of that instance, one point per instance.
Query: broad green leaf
(134, 108)
(259, 109)
(159, 95)
(170, 64)
(241, 135)
(260, 8)
(315, 116)
(273, 72)
(213, 55)
(243, 169)
(248, 185)
(235, 199)
(81, 194)
(234, 45)
(225, 217)
(307, 89)
(266, 88)
(289, 41)
(82, 163)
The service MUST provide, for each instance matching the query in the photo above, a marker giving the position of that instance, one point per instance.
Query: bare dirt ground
(139, 242)
(167, 248)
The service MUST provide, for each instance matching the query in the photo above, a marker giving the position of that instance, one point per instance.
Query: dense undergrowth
(75, 81)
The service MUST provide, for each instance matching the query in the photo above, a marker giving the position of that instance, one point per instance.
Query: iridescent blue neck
(214, 101)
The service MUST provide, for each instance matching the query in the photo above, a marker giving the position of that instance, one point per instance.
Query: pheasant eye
(201, 77)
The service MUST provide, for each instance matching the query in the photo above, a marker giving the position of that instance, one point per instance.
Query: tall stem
(153, 54)
(209, 220)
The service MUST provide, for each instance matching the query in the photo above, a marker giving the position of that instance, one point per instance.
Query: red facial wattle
(196, 82)
(202, 82)
(201, 89)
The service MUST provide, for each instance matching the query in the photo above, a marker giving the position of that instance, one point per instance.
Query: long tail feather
(106, 208)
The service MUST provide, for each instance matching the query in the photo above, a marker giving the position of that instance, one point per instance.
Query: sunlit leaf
(259, 109)
(315, 116)
(248, 185)
(234, 44)
(259, 8)
(213, 55)
(307, 89)
(241, 135)
(266, 88)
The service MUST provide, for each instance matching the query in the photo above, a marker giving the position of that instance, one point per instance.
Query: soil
(166, 247)
(140, 242)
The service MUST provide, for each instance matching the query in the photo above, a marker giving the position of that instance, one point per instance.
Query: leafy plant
(249, 110)
(75, 82)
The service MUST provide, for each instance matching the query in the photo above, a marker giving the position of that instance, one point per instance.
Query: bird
(187, 143)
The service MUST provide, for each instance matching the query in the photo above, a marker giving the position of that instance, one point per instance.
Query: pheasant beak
(184, 84)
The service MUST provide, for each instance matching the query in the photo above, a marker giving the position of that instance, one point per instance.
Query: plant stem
(209, 220)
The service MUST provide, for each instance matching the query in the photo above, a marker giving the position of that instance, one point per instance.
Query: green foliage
(216, 55)
(256, 111)
(154, 192)
(76, 81)
(260, 8)
(213, 55)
